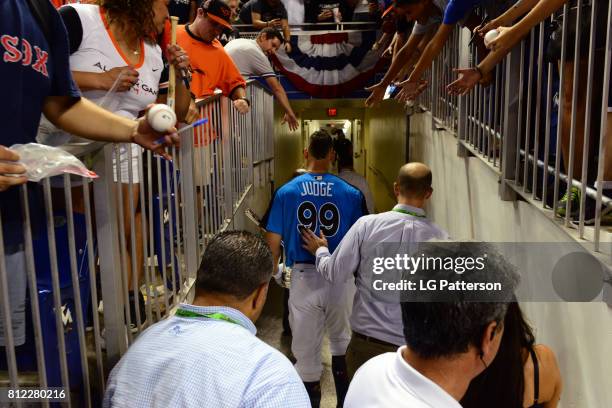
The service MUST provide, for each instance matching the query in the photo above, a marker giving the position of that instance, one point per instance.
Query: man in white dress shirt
(376, 324)
(448, 342)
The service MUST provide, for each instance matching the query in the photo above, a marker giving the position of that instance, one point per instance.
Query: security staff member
(377, 325)
(320, 202)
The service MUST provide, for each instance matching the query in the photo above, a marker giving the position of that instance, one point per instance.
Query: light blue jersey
(320, 202)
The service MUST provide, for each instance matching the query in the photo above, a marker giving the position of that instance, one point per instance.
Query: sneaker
(589, 212)
(574, 196)
(589, 218)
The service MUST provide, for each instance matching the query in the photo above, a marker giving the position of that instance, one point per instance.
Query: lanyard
(399, 210)
(214, 316)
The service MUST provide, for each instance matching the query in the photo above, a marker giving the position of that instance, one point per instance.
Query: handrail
(369, 24)
(496, 124)
(253, 83)
(174, 209)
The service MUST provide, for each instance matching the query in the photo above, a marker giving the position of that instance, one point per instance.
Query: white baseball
(161, 117)
(490, 36)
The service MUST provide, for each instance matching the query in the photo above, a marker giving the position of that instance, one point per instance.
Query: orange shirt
(212, 66)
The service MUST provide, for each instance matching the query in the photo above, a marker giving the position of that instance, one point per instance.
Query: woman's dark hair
(137, 14)
(502, 384)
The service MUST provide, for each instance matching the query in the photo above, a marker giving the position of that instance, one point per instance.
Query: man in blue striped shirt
(207, 355)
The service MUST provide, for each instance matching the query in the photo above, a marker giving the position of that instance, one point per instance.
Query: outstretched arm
(84, 118)
(413, 85)
(281, 96)
(517, 10)
(401, 59)
(501, 46)
(514, 34)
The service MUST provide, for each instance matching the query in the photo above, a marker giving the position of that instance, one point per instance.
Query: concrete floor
(269, 329)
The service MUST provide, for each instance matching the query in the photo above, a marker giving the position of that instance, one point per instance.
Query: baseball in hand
(490, 36)
(161, 117)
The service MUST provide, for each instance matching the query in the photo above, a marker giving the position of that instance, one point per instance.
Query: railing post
(249, 136)
(510, 125)
(108, 251)
(464, 61)
(435, 97)
(228, 199)
(189, 200)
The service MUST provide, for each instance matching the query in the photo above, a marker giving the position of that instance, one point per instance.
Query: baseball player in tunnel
(321, 202)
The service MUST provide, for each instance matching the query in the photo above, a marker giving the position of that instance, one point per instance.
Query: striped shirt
(204, 362)
(371, 317)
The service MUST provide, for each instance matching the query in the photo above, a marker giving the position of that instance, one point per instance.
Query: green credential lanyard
(399, 210)
(214, 316)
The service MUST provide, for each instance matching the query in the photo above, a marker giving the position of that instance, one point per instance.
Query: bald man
(377, 323)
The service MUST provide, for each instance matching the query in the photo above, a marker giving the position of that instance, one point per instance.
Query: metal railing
(510, 122)
(93, 236)
(444, 107)
(248, 31)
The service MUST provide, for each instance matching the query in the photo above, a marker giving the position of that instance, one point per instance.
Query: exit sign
(332, 112)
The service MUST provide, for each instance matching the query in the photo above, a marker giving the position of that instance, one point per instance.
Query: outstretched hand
(291, 121)
(410, 90)
(377, 95)
(311, 242)
(468, 78)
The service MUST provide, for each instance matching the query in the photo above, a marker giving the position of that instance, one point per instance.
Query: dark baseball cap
(218, 11)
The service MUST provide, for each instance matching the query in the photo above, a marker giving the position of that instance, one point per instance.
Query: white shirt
(371, 317)
(358, 181)
(295, 11)
(98, 53)
(388, 380)
(249, 58)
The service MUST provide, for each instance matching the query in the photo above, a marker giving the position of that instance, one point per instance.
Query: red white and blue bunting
(330, 65)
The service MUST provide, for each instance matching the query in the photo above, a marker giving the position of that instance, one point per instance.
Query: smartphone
(391, 91)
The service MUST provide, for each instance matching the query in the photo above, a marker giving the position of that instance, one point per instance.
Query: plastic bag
(43, 161)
